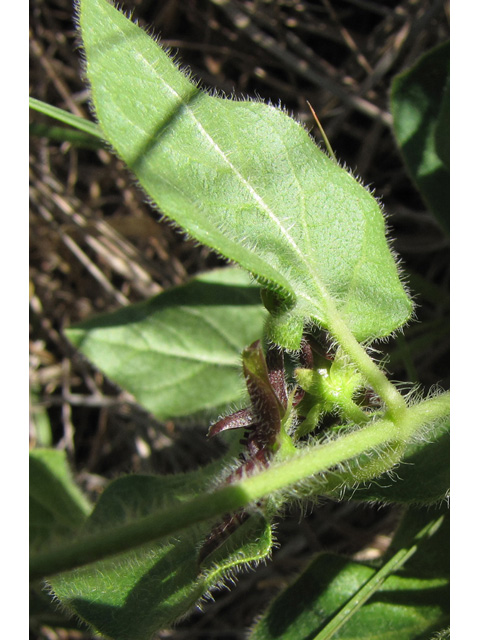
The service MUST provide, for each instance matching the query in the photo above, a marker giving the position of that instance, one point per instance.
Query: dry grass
(96, 245)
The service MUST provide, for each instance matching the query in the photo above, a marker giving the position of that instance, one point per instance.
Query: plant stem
(394, 401)
(318, 459)
(68, 118)
(172, 519)
(101, 544)
(108, 542)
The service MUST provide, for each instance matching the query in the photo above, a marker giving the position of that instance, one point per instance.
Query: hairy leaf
(247, 180)
(132, 595)
(178, 353)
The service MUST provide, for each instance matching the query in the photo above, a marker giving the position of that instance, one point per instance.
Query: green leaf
(437, 561)
(132, 595)
(420, 109)
(178, 353)
(57, 506)
(337, 598)
(245, 179)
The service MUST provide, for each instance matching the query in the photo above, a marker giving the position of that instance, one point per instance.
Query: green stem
(108, 542)
(352, 412)
(303, 465)
(394, 401)
(67, 118)
(318, 459)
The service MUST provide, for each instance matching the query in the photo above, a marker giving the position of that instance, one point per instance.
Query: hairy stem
(101, 544)
(394, 401)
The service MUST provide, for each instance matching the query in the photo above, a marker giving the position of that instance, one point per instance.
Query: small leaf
(162, 581)
(57, 506)
(178, 353)
(267, 409)
(420, 109)
(246, 180)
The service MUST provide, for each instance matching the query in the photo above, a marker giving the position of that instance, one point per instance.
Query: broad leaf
(357, 601)
(57, 506)
(130, 596)
(245, 179)
(178, 353)
(421, 113)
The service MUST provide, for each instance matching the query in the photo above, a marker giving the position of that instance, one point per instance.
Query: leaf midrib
(255, 195)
